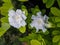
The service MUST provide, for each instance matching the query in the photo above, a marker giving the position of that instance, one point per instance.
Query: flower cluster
(17, 19)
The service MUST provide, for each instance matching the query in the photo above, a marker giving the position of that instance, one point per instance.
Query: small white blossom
(39, 22)
(17, 18)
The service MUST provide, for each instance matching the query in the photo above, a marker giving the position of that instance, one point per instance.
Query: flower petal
(23, 23)
(46, 18)
(19, 12)
(24, 17)
(39, 13)
(16, 25)
(16, 19)
(33, 17)
(44, 29)
(13, 23)
(11, 13)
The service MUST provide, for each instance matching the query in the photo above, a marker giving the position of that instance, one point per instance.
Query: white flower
(39, 22)
(17, 18)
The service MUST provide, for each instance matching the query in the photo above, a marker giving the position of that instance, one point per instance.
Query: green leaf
(35, 10)
(59, 43)
(22, 29)
(2, 32)
(55, 32)
(23, 0)
(4, 28)
(49, 3)
(58, 2)
(32, 36)
(43, 11)
(57, 19)
(52, 19)
(56, 38)
(44, 1)
(55, 11)
(58, 24)
(24, 10)
(47, 32)
(7, 5)
(6, 1)
(35, 42)
(4, 20)
(39, 37)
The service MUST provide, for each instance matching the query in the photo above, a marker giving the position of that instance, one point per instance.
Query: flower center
(17, 17)
(39, 21)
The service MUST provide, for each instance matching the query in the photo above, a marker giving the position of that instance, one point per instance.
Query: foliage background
(12, 36)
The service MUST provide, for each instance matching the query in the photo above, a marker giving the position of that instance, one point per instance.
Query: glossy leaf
(35, 10)
(22, 29)
(57, 19)
(56, 38)
(32, 36)
(2, 32)
(55, 32)
(55, 11)
(4, 20)
(35, 42)
(7, 5)
(6, 1)
(4, 28)
(49, 3)
(24, 10)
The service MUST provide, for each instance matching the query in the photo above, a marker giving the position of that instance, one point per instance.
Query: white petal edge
(38, 13)
(23, 23)
(44, 29)
(24, 17)
(11, 13)
(33, 17)
(46, 18)
(18, 12)
(12, 23)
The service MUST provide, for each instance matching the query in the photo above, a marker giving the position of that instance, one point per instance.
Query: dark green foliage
(27, 35)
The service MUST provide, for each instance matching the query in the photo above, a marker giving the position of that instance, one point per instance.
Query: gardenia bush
(26, 22)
